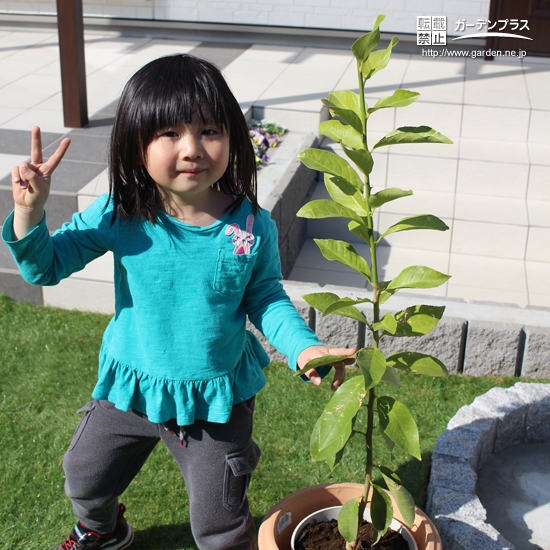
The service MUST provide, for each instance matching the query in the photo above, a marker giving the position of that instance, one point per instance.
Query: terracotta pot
(279, 523)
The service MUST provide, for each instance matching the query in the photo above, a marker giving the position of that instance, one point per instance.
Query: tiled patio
(492, 186)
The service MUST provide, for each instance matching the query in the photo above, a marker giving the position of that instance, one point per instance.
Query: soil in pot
(325, 536)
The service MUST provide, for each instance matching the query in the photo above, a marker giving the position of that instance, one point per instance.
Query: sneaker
(82, 539)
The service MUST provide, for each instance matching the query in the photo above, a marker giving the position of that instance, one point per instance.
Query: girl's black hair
(161, 94)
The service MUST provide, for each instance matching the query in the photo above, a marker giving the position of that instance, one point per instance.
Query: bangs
(178, 89)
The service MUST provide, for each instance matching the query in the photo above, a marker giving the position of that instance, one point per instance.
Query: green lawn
(48, 369)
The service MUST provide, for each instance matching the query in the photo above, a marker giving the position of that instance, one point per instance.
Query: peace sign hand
(31, 184)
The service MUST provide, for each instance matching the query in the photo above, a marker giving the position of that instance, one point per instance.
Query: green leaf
(417, 320)
(389, 443)
(398, 424)
(334, 427)
(387, 195)
(403, 499)
(345, 303)
(322, 301)
(360, 230)
(385, 295)
(361, 157)
(391, 376)
(342, 192)
(362, 47)
(345, 104)
(399, 98)
(334, 460)
(324, 208)
(378, 60)
(417, 362)
(373, 365)
(321, 362)
(348, 519)
(422, 221)
(387, 324)
(412, 134)
(343, 253)
(327, 161)
(381, 511)
(418, 276)
(341, 133)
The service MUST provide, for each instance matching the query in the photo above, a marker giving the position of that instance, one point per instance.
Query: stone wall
(469, 339)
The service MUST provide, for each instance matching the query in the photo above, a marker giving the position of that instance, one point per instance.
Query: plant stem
(366, 195)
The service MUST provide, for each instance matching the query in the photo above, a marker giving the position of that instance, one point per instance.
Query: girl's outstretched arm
(31, 184)
(319, 351)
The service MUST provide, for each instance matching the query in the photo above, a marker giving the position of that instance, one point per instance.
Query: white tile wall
(330, 14)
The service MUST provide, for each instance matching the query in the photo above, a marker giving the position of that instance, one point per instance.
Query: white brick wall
(330, 14)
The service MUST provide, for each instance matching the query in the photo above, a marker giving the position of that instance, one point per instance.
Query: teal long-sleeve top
(177, 346)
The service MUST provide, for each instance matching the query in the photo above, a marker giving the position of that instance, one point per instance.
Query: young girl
(194, 255)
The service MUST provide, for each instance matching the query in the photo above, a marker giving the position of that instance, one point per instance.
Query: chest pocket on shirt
(233, 272)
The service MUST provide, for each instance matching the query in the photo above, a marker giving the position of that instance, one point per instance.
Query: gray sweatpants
(110, 446)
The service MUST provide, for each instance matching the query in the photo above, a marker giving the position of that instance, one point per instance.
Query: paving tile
(427, 150)
(538, 275)
(53, 103)
(492, 179)
(71, 175)
(487, 273)
(441, 81)
(539, 213)
(486, 293)
(538, 245)
(539, 153)
(22, 64)
(495, 123)
(492, 150)
(539, 183)
(266, 64)
(101, 269)
(423, 202)
(418, 174)
(436, 241)
(20, 40)
(152, 49)
(8, 113)
(537, 78)
(538, 127)
(94, 188)
(47, 120)
(324, 277)
(443, 117)
(392, 260)
(75, 293)
(305, 82)
(7, 162)
(29, 91)
(83, 148)
(495, 84)
(539, 300)
(381, 121)
(493, 240)
(503, 210)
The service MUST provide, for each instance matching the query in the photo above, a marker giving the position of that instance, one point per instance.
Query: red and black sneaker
(83, 539)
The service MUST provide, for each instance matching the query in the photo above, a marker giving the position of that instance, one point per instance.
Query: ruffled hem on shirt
(184, 400)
